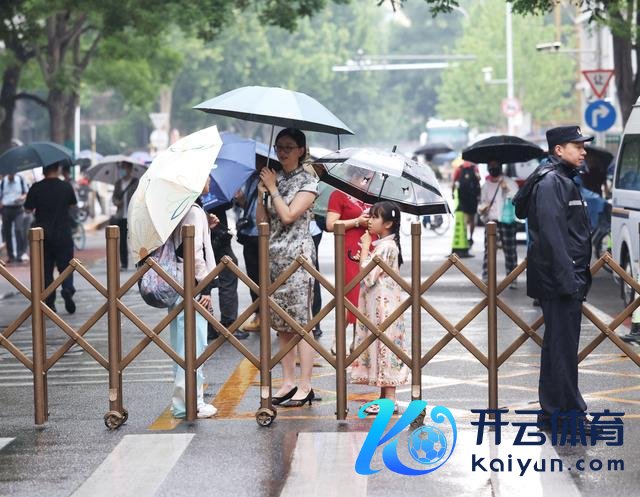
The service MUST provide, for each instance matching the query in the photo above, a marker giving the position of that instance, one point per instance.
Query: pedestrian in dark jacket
(558, 274)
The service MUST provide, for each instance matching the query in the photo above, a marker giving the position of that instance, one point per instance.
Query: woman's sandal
(372, 409)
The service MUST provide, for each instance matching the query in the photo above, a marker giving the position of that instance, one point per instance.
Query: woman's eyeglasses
(282, 148)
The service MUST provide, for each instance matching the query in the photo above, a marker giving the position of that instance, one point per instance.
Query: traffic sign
(510, 106)
(600, 115)
(598, 79)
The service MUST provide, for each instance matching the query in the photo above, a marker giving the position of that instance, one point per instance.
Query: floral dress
(380, 295)
(287, 242)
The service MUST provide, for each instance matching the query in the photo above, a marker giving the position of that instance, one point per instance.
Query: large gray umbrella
(107, 169)
(372, 175)
(276, 106)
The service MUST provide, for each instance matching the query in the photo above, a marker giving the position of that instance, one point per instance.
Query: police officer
(558, 274)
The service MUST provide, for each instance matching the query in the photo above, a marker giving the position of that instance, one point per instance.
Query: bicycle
(437, 223)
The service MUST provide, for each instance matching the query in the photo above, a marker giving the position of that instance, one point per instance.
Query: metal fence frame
(114, 308)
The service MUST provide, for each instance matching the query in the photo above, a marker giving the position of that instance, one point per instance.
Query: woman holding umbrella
(293, 191)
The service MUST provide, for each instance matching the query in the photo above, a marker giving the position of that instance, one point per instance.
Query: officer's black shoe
(634, 335)
(69, 304)
(212, 335)
(317, 333)
(241, 335)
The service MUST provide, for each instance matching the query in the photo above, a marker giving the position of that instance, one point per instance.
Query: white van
(625, 213)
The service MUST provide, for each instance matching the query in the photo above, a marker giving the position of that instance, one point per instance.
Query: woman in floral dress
(292, 193)
(380, 295)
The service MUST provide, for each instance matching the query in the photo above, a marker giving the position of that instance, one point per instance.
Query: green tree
(66, 35)
(543, 83)
(252, 53)
(623, 19)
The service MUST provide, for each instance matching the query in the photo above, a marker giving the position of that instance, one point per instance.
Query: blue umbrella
(234, 164)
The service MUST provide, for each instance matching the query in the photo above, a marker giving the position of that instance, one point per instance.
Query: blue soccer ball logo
(427, 445)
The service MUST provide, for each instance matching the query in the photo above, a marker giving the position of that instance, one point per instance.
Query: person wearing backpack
(466, 180)
(496, 205)
(558, 272)
(13, 192)
(204, 264)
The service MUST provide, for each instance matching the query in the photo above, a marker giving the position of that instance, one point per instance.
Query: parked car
(625, 211)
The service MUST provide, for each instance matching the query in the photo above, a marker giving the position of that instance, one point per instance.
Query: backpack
(154, 290)
(469, 183)
(522, 197)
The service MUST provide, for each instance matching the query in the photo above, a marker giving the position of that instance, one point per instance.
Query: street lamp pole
(510, 90)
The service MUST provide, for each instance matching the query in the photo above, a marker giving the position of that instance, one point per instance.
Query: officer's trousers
(558, 385)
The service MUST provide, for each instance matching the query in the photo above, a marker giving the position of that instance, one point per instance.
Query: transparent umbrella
(372, 175)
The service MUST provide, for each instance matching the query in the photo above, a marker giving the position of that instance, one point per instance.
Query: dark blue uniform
(558, 275)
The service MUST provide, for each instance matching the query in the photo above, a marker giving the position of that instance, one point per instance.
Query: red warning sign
(598, 79)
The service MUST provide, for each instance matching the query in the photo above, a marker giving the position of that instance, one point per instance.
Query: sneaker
(69, 304)
(206, 411)
(252, 324)
(241, 335)
(634, 335)
(317, 333)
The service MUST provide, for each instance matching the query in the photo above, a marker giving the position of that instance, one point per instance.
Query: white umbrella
(165, 192)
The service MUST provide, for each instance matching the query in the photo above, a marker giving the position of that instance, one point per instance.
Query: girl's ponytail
(396, 233)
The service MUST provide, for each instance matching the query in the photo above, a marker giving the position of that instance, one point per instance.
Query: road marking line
(231, 393)
(323, 465)
(136, 467)
(5, 441)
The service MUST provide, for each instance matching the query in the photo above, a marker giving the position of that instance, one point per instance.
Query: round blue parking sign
(600, 115)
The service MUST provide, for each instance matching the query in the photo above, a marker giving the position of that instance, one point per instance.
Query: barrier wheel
(418, 421)
(125, 415)
(113, 420)
(265, 416)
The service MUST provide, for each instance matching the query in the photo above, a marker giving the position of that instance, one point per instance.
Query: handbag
(508, 215)
(483, 210)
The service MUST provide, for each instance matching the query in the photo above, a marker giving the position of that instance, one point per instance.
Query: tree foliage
(544, 83)
(623, 19)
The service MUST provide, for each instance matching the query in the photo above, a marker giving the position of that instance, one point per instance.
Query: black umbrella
(598, 157)
(372, 175)
(33, 155)
(431, 149)
(502, 148)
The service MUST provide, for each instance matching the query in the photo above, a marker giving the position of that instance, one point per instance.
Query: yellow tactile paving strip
(245, 376)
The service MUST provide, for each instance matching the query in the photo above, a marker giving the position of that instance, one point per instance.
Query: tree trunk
(10, 80)
(57, 114)
(625, 78)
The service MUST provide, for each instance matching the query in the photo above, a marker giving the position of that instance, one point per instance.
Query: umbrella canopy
(598, 157)
(372, 175)
(107, 169)
(236, 161)
(32, 156)
(502, 148)
(141, 156)
(275, 106)
(165, 192)
(431, 149)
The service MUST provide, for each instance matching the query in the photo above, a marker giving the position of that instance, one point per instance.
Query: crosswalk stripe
(323, 465)
(5, 441)
(136, 467)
